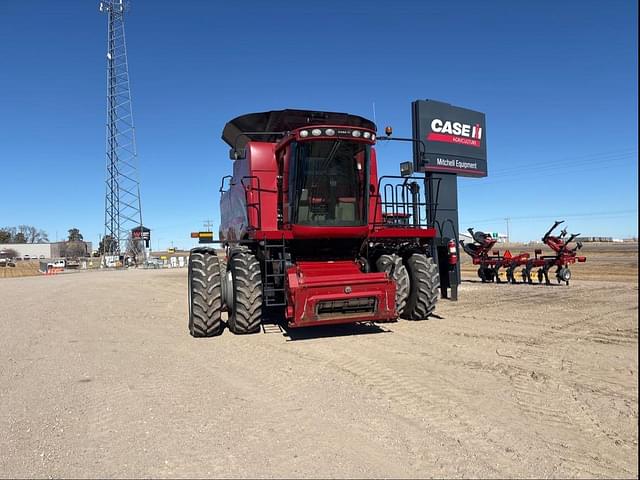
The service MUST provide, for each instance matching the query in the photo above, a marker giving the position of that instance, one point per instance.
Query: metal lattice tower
(123, 209)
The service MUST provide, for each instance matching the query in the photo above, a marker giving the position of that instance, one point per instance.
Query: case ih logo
(455, 132)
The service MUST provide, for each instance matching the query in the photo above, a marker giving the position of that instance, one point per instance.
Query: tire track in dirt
(560, 408)
(548, 397)
(429, 400)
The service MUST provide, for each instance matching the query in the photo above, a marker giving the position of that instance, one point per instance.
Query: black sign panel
(142, 233)
(454, 139)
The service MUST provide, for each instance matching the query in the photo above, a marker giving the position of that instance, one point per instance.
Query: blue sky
(557, 81)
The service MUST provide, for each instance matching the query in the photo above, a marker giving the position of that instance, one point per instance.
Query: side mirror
(237, 154)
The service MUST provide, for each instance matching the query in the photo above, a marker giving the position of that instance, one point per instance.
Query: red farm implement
(490, 261)
(563, 256)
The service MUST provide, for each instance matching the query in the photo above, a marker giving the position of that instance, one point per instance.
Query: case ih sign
(454, 139)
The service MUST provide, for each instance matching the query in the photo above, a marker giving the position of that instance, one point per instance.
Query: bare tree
(135, 249)
(23, 234)
(41, 237)
(107, 245)
(32, 234)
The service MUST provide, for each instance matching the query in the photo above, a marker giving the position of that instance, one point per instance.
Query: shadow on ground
(326, 331)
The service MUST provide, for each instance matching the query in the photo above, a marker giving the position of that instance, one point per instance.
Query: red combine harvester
(490, 264)
(311, 232)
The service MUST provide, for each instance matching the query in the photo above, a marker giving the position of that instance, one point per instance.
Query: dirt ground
(99, 378)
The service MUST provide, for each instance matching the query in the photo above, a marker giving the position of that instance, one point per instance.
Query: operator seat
(480, 237)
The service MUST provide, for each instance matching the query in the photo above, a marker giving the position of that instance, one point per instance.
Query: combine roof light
(366, 135)
(304, 133)
(330, 132)
(356, 133)
(373, 137)
(316, 132)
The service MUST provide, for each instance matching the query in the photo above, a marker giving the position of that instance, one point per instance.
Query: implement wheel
(563, 275)
(245, 311)
(392, 265)
(205, 297)
(424, 281)
(482, 274)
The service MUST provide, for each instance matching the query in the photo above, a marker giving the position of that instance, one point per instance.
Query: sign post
(452, 142)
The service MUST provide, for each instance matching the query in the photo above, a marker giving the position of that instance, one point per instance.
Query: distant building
(38, 250)
(585, 239)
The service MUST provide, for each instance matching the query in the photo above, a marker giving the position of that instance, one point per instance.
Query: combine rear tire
(424, 281)
(245, 313)
(392, 264)
(205, 298)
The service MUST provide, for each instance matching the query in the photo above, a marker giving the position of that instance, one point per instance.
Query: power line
(542, 173)
(609, 214)
(564, 165)
(591, 157)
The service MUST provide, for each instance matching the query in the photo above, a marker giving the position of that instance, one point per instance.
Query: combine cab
(311, 232)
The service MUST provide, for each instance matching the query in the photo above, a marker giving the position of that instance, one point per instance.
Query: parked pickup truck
(60, 263)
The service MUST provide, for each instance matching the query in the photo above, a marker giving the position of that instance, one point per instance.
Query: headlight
(356, 133)
(316, 132)
(366, 134)
(330, 132)
(304, 133)
(373, 137)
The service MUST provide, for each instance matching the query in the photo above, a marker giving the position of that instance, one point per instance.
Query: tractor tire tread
(205, 297)
(392, 264)
(425, 287)
(246, 313)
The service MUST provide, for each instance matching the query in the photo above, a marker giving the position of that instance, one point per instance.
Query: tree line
(23, 234)
(73, 247)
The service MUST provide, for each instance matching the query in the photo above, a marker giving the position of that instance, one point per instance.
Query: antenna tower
(122, 208)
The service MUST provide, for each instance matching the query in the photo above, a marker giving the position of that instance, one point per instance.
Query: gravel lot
(99, 378)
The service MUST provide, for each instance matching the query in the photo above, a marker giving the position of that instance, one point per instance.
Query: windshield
(327, 183)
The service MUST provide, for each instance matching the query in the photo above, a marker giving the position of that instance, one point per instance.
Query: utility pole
(122, 207)
(207, 225)
(508, 219)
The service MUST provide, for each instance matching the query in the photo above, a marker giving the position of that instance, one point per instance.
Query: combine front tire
(205, 298)
(392, 265)
(424, 289)
(245, 311)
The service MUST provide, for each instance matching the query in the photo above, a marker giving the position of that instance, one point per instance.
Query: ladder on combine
(274, 268)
